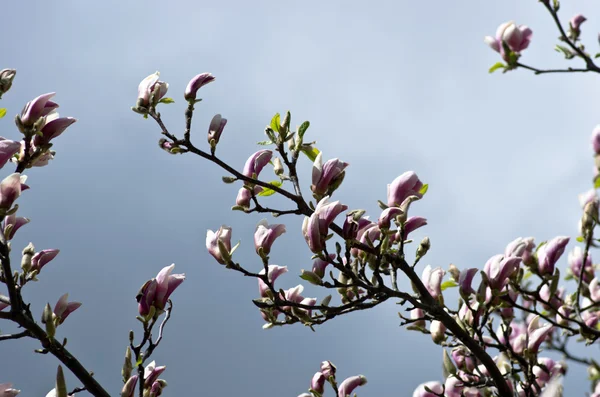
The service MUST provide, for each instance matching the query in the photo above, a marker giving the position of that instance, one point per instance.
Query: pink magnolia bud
(63, 308)
(563, 315)
(353, 223)
(166, 283)
(596, 139)
(245, 195)
(265, 235)
(6, 79)
(438, 331)
(521, 247)
(274, 272)
(550, 253)
(196, 83)
(435, 387)
(216, 127)
(36, 109)
(326, 178)
(537, 334)
(465, 279)
(41, 258)
(576, 22)
(212, 244)
(328, 369)
(349, 384)
(147, 87)
(464, 361)
(151, 373)
(387, 215)
(10, 190)
(52, 128)
(316, 227)
(145, 297)
(594, 290)
(407, 184)
(419, 317)
(319, 266)
(412, 224)
(128, 389)
(432, 279)
(575, 260)
(318, 382)
(14, 222)
(256, 163)
(499, 269)
(311, 233)
(8, 149)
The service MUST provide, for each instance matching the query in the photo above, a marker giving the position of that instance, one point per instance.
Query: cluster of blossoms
(327, 374)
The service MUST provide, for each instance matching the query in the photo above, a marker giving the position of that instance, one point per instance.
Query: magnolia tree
(494, 337)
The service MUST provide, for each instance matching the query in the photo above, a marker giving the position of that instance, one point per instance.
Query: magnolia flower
(274, 272)
(432, 279)
(63, 308)
(265, 235)
(148, 86)
(407, 184)
(550, 253)
(499, 269)
(317, 382)
(328, 369)
(41, 258)
(516, 38)
(156, 292)
(326, 178)
(215, 129)
(152, 372)
(12, 223)
(196, 83)
(212, 244)
(128, 389)
(575, 260)
(8, 149)
(36, 109)
(256, 163)
(349, 384)
(10, 190)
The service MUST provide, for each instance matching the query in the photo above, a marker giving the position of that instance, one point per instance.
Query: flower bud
(196, 83)
(215, 129)
(63, 308)
(550, 253)
(328, 369)
(277, 166)
(328, 177)
(6, 79)
(35, 109)
(435, 387)
(407, 184)
(318, 382)
(221, 252)
(423, 247)
(349, 384)
(432, 279)
(265, 235)
(438, 331)
(128, 389)
(6, 390)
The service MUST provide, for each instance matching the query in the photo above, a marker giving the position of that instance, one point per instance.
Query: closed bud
(438, 332)
(423, 247)
(6, 79)
(277, 166)
(127, 366)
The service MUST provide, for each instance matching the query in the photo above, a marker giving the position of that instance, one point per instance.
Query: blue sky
(388, 87)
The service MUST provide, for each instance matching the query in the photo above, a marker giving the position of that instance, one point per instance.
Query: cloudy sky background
(388, 87)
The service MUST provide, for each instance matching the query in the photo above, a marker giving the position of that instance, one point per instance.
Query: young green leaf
(269, 192)
(275, 122)
(449, 284)
(496, 66)
(167, 100)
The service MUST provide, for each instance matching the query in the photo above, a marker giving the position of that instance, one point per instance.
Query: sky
(388, 87)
